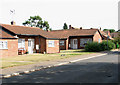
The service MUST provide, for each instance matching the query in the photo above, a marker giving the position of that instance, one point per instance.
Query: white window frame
(62, 42)
(3, 45)
(51, 43)
(22, 43)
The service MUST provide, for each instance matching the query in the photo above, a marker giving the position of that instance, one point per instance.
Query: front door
(75, 44)
(30, 46)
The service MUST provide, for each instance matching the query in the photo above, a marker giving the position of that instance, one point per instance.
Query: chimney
(80, 27)
(73, 28)
(100, 28)
(91, 28)
(13, 23)
(70, 27)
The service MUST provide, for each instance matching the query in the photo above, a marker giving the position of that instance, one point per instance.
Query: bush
(93, 47)
(117, 46)
(96, 47)
(104, 46)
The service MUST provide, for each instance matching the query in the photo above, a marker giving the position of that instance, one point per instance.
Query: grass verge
(35, 58)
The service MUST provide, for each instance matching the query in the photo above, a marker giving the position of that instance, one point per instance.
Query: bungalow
(77, 38)
(14, 38)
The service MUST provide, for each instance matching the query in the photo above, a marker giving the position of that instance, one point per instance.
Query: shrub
(93, 47)
(104, 46)
(117, 46)
(96, 47)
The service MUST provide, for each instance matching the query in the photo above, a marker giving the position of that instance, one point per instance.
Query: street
(102, 69)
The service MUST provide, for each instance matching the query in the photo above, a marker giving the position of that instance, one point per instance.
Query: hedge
(96, 47)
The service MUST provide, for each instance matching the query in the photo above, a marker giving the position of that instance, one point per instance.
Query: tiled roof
(4, 34)
(104, 33)
(73, 32)
(59, 34)
(24, 30)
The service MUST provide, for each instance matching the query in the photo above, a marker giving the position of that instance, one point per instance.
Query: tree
(36, 21)
(65, 26)
(111, 30)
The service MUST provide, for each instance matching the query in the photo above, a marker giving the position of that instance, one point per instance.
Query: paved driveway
(103, 69)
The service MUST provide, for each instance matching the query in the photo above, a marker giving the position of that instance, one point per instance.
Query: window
(83, 41)
(75, 41)
(98, 40)
(21, 43)
(62, 43)
(3, 45)
(50, 43)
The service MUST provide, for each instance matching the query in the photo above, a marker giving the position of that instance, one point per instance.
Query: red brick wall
(42, 45)
(12, 48)
(67, 45)
(54, 49)
(96, 37)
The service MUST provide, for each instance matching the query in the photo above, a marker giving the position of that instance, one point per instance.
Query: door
(75, 44)
(30, 46)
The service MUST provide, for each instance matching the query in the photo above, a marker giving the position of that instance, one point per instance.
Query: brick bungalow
(115, 34)
(14, 38)
(77, 38)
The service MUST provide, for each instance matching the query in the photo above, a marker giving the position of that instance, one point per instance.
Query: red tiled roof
(59, 34)
(24, 30)
(73, 32)
(105, 34)
(4, 34)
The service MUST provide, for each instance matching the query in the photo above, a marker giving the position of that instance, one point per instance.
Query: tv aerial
(12, 13)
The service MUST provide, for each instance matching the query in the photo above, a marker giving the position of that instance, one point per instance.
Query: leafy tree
(65, 26)
(36, 21)
(111, 30)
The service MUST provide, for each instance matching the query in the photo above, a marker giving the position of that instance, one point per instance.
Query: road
(102, 69)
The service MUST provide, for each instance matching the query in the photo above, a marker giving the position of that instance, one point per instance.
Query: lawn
(35, 58)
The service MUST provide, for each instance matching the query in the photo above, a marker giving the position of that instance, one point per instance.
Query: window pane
(50, 43)
(21, 43)
(61, 43)
(0, 44)
(5, 44)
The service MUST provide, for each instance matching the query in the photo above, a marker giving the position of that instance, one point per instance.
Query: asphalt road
(102, 69)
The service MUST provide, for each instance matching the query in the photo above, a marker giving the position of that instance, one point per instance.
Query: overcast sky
(78, 13)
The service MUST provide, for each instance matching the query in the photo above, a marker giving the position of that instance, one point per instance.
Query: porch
(75, 42)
